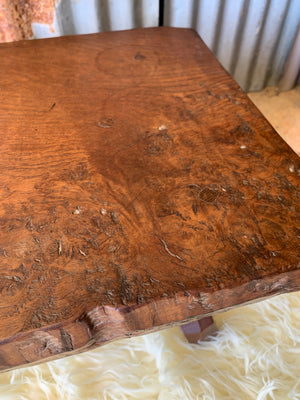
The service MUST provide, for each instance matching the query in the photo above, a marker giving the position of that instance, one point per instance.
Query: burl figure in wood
(139, 188)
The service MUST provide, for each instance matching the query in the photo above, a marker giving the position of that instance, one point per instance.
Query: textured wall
(18, 16)
(251, 38)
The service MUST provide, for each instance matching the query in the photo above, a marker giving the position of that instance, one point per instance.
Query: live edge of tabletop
(139, 188)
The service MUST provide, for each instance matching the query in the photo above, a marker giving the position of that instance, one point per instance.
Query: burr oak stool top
(139, 188)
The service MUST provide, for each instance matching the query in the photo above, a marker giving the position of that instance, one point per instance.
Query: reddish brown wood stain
(139, 187)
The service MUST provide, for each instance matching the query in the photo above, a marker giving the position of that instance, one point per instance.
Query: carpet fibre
(255, 355)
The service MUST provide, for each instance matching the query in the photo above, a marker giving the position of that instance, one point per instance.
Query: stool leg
(199, 330)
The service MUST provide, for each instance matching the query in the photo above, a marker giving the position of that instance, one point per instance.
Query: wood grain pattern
(139, 187)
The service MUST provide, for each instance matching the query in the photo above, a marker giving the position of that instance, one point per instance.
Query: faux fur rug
(255, 355)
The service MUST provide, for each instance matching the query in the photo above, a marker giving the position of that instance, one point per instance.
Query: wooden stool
(140, 188)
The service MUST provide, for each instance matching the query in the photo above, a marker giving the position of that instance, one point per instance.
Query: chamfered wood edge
(105, 324)
(36, 41)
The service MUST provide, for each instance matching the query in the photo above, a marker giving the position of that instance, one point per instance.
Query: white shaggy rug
(256, 355)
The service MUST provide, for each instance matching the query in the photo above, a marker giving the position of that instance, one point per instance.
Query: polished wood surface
(140, 187)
